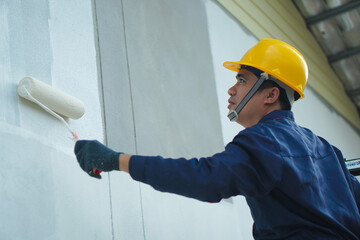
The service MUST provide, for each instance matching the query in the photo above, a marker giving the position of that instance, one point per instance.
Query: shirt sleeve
(248, 166)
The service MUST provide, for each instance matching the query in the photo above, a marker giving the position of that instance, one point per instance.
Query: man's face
(245, 81)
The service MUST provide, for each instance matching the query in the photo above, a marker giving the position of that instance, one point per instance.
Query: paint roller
(53, 101)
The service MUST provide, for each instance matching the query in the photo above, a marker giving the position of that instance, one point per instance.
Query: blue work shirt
(296, 184)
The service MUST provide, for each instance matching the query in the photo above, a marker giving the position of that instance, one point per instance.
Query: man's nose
(232, 91)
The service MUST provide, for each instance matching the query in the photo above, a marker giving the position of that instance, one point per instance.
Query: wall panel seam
(101, 91)
(132, 109)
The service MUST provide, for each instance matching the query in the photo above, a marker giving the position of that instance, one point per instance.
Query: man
(295, 183)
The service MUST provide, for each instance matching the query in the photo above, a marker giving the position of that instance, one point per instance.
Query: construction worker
(296, 184)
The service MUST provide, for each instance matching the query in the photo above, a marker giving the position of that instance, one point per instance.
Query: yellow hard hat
(278, 59)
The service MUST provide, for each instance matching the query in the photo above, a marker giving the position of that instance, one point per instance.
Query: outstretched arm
(225, 174)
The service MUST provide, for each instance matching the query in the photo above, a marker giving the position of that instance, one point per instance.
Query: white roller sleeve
(54, 99)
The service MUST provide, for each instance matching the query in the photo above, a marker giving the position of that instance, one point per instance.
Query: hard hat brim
(233, 66)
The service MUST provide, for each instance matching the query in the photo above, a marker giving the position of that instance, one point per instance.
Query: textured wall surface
(151, 70)
(160, 98)
(44, 193)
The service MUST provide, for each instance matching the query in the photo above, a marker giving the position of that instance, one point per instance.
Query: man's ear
(272, 95)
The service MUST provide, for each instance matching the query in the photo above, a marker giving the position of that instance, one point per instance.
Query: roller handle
(95, 170)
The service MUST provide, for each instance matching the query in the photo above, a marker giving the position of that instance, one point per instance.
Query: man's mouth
(231, 103)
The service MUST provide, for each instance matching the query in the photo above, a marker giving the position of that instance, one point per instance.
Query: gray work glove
(94, 155)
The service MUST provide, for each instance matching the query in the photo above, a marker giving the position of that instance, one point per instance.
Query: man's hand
(93, 154)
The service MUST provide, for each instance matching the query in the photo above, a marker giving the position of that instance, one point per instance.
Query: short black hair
(283, 99)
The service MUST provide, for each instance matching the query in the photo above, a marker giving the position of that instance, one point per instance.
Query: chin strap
(234, 114)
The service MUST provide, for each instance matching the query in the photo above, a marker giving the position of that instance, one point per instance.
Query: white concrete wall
(229, 42)
(160, 98)
(44, 193)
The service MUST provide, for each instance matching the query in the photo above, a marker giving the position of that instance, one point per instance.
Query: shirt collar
(277, 115)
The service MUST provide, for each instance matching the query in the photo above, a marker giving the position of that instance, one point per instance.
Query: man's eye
(241, 80)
